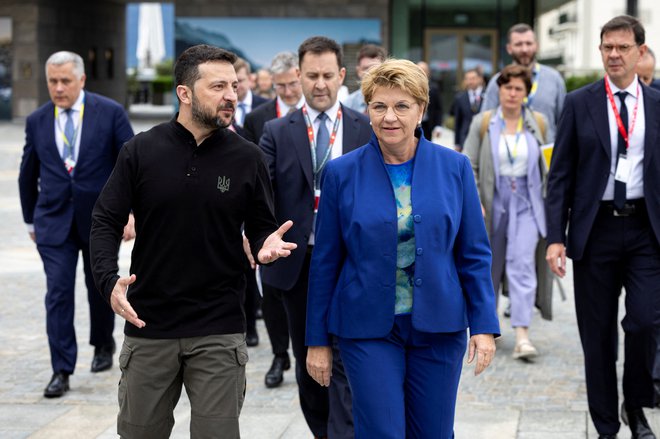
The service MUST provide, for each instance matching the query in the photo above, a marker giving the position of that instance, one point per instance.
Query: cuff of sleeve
(30, 228)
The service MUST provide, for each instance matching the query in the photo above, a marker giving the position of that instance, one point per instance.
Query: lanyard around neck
(519, 128)
(617, 116)
(312, 142)
(75, 132)
(535, 84)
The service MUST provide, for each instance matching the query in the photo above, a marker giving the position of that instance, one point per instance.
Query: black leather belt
(630, 208)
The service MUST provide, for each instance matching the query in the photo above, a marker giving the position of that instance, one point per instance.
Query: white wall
(578, 41)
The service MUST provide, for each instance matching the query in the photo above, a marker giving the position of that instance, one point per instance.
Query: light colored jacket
(484, 158)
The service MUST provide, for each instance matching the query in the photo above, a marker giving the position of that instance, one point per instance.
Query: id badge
(317, 197)
(69, 164)
(623, 169)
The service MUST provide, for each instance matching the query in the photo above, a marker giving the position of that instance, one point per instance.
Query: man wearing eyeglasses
(286, 80)
(297, 148)
(548, 88)
(604, 184)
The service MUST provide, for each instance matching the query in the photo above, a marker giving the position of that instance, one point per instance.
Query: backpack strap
(540, 122)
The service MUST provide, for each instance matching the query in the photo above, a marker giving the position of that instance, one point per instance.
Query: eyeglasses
(621, 48)
(291, 86)
(400, 108)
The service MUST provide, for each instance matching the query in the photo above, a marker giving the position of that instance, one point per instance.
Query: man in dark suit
(604, 181)
(466, 104)
(286, 79)
(646, 69)
(71, 145)
(247, 102)
(433, 115)
(297, 147)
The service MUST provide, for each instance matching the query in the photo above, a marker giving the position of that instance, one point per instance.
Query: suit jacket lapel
(49, 125)
(598, 111)
(90, 120)
(351, 131)
(298, 135)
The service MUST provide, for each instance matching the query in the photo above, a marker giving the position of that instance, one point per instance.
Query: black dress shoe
(251, 337)
(103, 357)
(275, 374)
(607, 436)
(636, 420)
(58, 385)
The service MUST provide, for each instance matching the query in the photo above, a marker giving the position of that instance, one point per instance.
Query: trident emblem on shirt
(223, 184)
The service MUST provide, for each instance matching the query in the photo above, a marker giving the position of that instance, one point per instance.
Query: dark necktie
(69, 133)
(619, 186)
(322, 140)
(474, 103)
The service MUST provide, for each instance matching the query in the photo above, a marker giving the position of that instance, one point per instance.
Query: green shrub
(575, 82)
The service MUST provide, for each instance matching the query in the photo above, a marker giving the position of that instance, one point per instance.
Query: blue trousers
(60, 266)
(404, 386)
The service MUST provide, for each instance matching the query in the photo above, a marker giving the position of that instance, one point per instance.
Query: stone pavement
(511, 400)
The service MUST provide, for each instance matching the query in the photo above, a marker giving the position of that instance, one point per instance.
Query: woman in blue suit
(400, 269)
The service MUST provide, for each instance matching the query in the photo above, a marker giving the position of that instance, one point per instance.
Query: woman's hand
(319, 364)
(482, 346)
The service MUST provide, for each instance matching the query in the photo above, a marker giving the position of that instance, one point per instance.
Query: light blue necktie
(69, 133)
(322, 141)
(243, 108)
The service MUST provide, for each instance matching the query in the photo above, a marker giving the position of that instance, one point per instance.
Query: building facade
(451, 36)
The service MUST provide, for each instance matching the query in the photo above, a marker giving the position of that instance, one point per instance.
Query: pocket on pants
(242, 358)
(124, 360)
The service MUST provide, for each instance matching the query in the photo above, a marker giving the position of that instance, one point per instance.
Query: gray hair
(283, 62)
(63, 57)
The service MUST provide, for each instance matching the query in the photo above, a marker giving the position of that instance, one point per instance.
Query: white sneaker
(524, 350)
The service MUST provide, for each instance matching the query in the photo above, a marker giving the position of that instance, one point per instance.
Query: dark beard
(206, 119)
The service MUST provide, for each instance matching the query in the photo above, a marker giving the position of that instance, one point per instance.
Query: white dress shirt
(337, 147)
(635, 185)
(60, 123)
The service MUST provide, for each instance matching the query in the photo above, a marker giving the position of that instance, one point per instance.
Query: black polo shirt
(189, 204)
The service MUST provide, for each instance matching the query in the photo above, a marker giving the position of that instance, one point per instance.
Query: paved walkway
(511, 400)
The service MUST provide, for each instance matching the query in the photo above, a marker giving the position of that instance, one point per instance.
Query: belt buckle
(627, 210)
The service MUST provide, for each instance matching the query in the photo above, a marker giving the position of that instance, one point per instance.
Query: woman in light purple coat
(504, 148)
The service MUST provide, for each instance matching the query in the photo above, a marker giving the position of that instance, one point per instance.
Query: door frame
(430, 32)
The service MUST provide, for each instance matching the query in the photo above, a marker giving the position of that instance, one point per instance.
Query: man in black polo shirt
(191, 184)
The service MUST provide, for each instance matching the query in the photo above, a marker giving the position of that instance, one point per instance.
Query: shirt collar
(631, 89)
(331, 112)
(284, 108)
(248, 99)
(77, 106)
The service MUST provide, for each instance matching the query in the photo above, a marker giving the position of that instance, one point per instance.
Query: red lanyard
(617, 116)
(277, 108)
(312, 142)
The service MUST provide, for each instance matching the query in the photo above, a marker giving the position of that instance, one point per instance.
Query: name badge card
(317, 197)
(622, 169)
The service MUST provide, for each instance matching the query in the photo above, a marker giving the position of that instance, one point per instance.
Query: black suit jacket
(257, 118)
(433, 112)
(581, 165)
(462, 112)
(286, 145)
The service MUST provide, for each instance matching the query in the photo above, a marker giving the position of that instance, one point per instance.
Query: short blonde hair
(397, 73)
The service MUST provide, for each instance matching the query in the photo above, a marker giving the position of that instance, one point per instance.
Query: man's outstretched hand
(275, 247)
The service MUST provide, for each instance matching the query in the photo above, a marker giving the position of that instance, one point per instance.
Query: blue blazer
(581, 163)
(352, 277)
(286, 145)
(50, 198)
